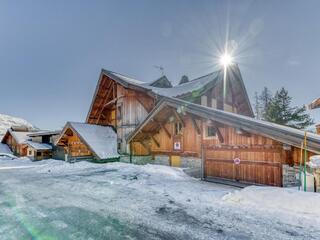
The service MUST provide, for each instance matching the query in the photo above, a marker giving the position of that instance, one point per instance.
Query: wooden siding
(122, 108)
(73, 145)
(261, 158)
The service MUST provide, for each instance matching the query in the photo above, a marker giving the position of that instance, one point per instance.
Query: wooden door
(257, 166)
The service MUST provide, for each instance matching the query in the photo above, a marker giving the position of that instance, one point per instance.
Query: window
(39, 154)
(177, 128)
(211, 131)
(119, 112)
(30, 152)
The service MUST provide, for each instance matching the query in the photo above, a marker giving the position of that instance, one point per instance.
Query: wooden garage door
(259, 166)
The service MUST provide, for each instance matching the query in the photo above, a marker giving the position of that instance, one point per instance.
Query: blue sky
(51, 52)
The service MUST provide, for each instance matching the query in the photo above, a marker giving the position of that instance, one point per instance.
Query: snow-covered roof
(44, 133)
(39, 146)
(315, 104)
(20, 137)
(101, 140)
(174, 91)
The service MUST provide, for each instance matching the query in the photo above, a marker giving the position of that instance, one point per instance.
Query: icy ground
(56, 200)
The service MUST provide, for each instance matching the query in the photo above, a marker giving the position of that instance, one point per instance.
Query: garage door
(257, 166)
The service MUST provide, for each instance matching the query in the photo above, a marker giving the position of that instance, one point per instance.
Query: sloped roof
(20, 137)
(274, 131)
(175, 91)
(44, 133)
(315, 104)
(101, 140)
(191, 88)
(39, 146)
(162, 82)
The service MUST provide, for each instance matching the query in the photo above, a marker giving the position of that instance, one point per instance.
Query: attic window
(177, 128)
(211, 131)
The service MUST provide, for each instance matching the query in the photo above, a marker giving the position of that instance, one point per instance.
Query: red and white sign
(236, 161)
(177, 146)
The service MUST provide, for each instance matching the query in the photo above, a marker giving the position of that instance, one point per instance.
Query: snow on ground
(57, 200)
(5, 149)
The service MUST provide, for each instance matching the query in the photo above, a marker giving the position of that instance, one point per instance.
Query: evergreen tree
(279, 110)
(264, 101)
(257, 106)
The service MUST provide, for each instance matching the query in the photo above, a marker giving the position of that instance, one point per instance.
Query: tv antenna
(160, 68)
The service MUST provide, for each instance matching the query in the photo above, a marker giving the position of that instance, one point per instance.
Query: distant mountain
(7, 121)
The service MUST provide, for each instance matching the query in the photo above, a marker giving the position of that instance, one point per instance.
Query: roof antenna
(160, 68)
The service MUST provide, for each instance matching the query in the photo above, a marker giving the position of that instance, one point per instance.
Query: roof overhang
(315, 104)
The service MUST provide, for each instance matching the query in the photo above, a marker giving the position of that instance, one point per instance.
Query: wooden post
(203, 159)
(130, 149)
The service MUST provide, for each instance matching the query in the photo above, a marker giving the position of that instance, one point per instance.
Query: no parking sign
(236, 161)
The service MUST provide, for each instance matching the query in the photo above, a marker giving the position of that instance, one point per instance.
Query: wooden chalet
(41, 144)
(226, 145)
(88, 141)
(124, 102)
(16, 138)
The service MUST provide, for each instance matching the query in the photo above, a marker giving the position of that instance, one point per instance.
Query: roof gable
(186, 91)
(162, 82)
(101, 140)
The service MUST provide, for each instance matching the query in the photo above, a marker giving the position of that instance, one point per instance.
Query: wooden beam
(195, 125)
(105, 100)
(162, 125)
(220, 137)
(103, 97)
(178, 118)
(155, 140)
(146, 146)
(165, 130)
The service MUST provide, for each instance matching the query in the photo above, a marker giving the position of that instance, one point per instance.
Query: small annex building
(224, 145)
(38, 151)
(88, 141)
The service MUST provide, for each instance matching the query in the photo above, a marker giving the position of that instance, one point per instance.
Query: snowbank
(315, 161)
(282, 199)
(5, 149)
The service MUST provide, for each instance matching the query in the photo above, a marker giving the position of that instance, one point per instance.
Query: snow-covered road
(56, 200)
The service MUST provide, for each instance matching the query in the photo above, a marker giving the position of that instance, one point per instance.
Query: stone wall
(289, 174)
(139, 160)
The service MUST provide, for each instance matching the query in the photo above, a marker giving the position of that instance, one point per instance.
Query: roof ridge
(124, 75)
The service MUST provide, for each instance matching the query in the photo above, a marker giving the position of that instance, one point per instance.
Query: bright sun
(226, 59)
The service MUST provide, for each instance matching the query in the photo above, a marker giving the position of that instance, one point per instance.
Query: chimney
(318, 128)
